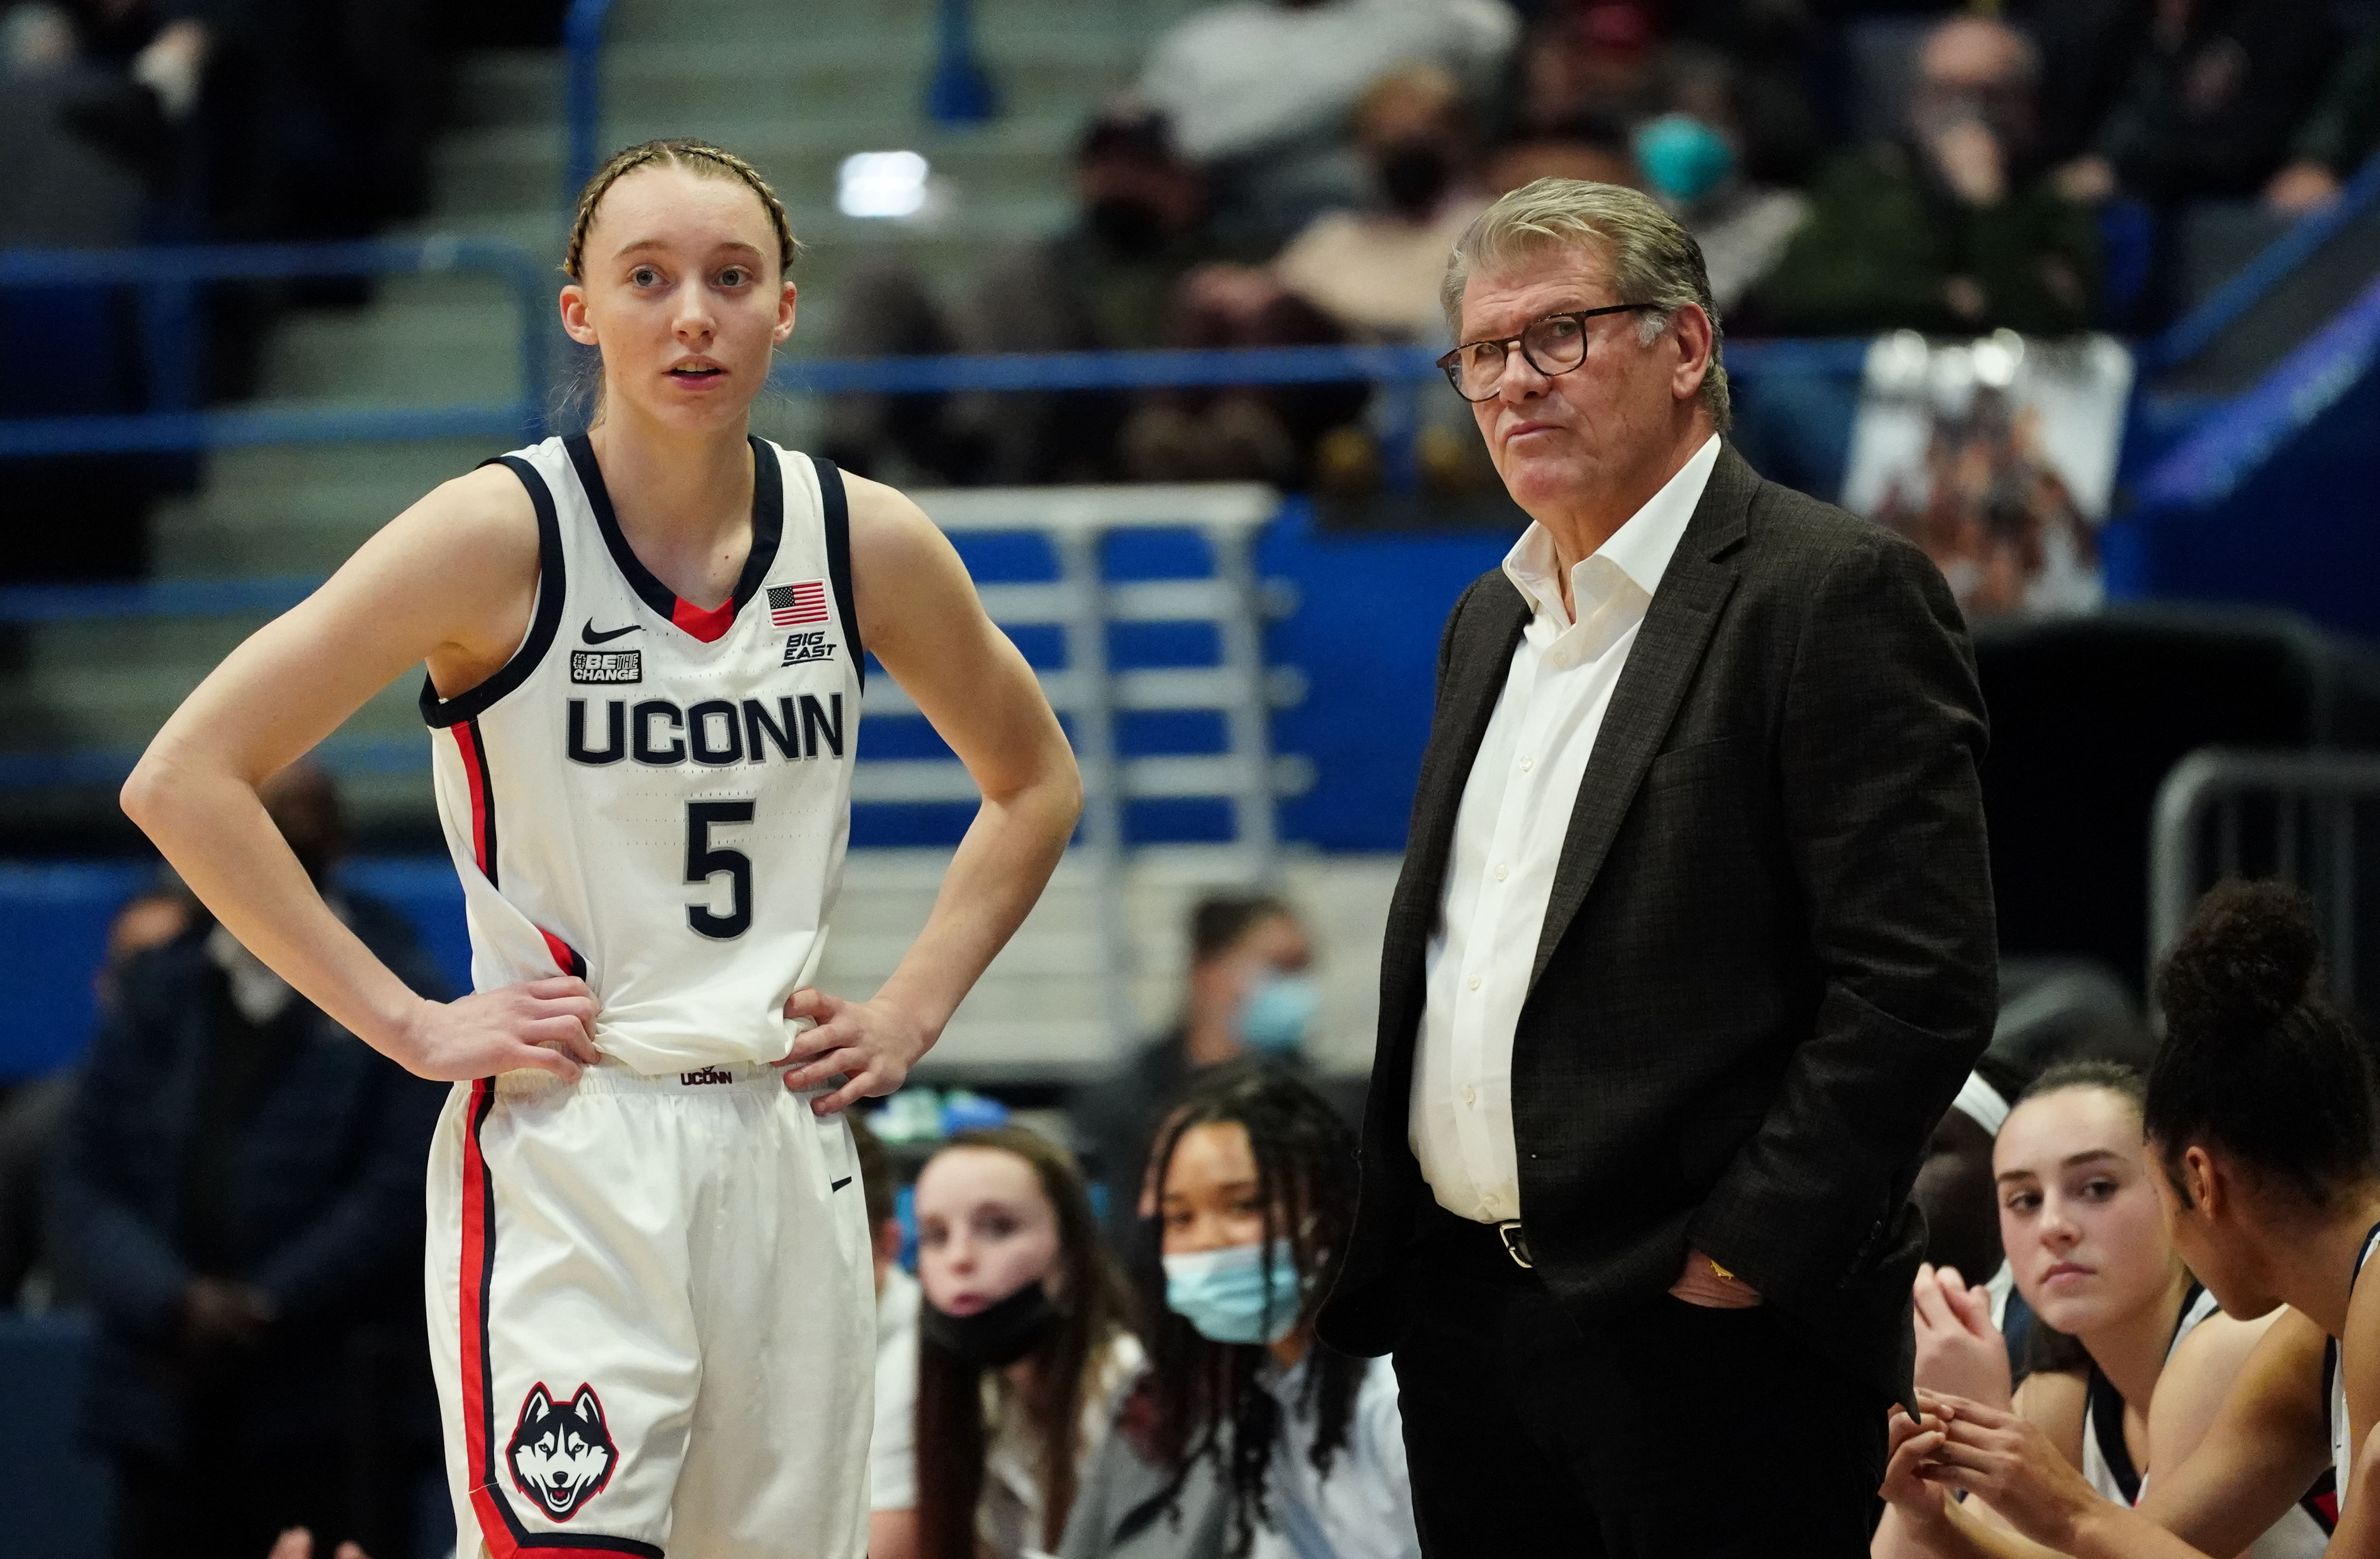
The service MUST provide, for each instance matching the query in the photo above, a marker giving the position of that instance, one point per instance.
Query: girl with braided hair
(649, 1271)
(1253, 1185)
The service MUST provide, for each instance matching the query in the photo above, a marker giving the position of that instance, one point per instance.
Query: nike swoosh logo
(588, 635)
(840, 1184)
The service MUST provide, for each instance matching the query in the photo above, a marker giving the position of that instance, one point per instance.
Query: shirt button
(1503, 872)
(1474, 982)
(1470, 1095)
(1528, 764)
(1561, 658)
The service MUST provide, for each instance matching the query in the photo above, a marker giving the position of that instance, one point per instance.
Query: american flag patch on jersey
(791, 605)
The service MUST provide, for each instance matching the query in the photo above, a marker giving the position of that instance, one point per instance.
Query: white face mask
(256, 993)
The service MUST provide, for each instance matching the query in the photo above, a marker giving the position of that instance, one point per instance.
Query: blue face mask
(1274, 1016)
(1232, 1296)
(1684, 159)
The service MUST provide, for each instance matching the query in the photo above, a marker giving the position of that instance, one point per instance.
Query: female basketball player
(2129, 1356)
(2261, 1120)
(649, 1267)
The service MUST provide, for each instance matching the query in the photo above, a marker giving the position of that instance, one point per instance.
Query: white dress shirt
(1507, 837)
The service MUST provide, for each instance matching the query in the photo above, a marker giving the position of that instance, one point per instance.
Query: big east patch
(562, 1456)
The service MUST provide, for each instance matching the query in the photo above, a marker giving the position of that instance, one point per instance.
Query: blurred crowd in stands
(1289, 172)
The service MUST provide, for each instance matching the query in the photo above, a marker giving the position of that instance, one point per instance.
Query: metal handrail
(2215, 776)
(167, 278)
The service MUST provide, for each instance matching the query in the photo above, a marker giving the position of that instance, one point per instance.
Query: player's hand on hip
(548, 1025)
(870, 1045)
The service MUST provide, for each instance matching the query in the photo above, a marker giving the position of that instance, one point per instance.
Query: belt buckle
(1516, 1244)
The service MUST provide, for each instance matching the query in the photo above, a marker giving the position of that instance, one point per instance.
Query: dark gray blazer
(1768, 961)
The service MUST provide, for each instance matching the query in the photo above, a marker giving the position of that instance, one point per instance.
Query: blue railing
(168, 283)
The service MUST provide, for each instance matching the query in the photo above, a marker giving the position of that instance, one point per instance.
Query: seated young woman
(2128, 1352)
(2261, 1125)
(1253, 1183)
(1022, 1346)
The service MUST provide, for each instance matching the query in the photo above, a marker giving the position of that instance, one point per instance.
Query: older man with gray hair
(1692, 946)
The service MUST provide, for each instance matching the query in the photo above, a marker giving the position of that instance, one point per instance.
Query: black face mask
(997, 1335)
(1129, 227)
(1413, 175)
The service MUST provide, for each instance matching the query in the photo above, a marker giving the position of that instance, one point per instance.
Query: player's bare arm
(2266, 1445)
(919, 614)
(452, 582)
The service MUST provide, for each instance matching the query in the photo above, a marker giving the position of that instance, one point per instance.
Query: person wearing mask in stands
(1255, 1182)
(1247, 991)
(1023, 1345)
(238, 1194)
(2130, 1356)
(1952, 226)
(2264, 1148)
(1376, 270)
(892, 1449)
(31, 1112)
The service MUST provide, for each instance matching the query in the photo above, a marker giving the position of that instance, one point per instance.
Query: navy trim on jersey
(439, 713)
(2107, 1408)
(837, 505)
(768, 527)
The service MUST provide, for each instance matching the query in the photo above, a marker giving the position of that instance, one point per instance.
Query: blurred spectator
(1108, 283)
(1378, 271)
(891, 1451)
(1691, 157)
(1766, 45)
(1247, 990)
(1955, 1190)
(1584, 147)
(30, 1113)
(1951, 227)
(1258, 91)
(1596, 60)
(1240, 434)
(2214, 92)
(2337, 138)
(240, 1198)
(1022, 1345)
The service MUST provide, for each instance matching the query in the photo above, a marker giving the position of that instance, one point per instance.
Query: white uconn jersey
(653, 796)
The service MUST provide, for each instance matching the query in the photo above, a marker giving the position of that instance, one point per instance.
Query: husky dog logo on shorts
(562, 1456)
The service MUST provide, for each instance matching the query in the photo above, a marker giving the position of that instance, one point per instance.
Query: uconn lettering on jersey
(717, 732)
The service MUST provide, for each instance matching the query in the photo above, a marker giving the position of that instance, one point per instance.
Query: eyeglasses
(1556, 343)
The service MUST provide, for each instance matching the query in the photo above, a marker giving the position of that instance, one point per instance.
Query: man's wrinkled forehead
(1548, 279)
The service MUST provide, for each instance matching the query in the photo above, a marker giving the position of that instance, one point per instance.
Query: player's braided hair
(1205, 1398)
(697, 157)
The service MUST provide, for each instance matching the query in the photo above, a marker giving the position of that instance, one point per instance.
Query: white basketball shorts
(652, 1318)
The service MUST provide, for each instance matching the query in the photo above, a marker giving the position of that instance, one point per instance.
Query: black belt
(1497, 1253)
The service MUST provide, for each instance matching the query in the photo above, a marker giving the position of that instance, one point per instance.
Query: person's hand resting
(870, 1045)
(1920, 1501)
(1958, 1350)
(1703, 1282)
(2009, 1462)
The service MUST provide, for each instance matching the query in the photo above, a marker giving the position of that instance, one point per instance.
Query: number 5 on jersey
(705, 861)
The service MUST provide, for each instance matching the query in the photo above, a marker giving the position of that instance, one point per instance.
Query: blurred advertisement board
(1998, 457)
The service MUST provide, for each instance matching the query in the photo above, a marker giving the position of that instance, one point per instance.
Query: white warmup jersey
(651, 1316)
(655, 796)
